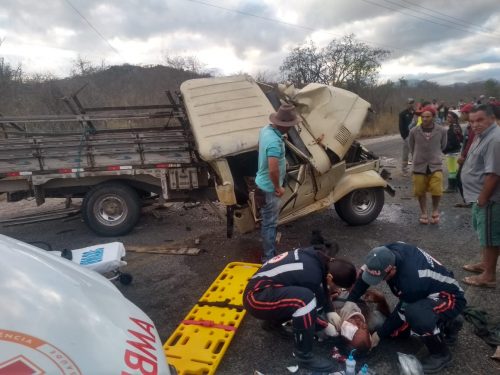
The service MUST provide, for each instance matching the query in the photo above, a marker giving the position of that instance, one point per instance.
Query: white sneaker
(410, 162)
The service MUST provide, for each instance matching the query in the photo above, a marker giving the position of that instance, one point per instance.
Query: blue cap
(377, 264)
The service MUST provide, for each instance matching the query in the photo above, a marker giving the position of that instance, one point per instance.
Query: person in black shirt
(430, 299)
(295, 286)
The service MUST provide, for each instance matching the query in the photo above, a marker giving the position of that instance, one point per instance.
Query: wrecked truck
(202, 145)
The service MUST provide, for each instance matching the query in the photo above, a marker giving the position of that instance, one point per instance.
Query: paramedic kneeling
(430, 299)
(294, 286)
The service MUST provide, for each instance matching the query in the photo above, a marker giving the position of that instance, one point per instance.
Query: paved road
(166, 287)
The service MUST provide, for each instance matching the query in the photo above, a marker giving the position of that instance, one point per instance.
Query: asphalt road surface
(167, 286)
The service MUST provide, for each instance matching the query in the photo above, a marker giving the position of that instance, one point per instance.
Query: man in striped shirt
(430, 299)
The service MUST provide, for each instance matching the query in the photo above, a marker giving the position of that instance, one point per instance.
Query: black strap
(220, 304)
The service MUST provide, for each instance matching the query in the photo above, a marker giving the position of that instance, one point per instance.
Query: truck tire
(361, 206)
(111, 209)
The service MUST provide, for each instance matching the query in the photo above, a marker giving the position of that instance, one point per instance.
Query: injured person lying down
(356, 322)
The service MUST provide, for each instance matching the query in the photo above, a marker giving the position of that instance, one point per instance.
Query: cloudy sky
(442, 40)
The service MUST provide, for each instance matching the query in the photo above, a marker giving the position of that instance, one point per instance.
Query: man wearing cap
(405, 119)
(271, 173)
(427, 143)
(430, 299)
(481, 184)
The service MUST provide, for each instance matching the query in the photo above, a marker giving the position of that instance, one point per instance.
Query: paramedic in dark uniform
(294, 286)
(430, 299)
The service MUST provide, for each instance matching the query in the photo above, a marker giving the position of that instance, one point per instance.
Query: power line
(461, 24)
(269, 19)
(410, 15)
(454, 18)
(426, 14)
(93, 28)
(418, 17)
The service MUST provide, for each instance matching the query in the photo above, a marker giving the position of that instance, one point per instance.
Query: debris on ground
(183, 250)
(39, 217)
(496, 355)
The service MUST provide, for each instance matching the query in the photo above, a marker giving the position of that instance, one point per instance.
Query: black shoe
(303, 340)
(439, 354)
(309, 361)
(436, 362)
(277, 329)
(451, 329)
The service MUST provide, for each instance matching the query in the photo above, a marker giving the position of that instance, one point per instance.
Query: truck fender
(361, 180)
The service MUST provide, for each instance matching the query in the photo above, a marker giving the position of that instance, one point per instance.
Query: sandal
(463, 205)
(423, 219)
(435, 219)
(473, 281)
(472, 268)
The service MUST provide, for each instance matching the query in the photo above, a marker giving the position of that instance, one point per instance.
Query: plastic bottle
(350, 364)
(364, 370)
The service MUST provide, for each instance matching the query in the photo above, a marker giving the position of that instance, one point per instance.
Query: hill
(112, 86)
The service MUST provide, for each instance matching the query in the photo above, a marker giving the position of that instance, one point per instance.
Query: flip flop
(463, 205)
(472, 268)
(423, 219)
(435, 219)
(473, 281)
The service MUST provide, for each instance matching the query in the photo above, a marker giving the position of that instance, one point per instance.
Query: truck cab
(325, 165)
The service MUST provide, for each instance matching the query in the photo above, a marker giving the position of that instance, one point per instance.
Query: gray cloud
(448, 46)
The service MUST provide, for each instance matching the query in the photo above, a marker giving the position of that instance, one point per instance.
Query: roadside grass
(379, 124)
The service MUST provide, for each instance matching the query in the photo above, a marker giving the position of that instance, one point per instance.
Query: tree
(9, 74)
(345, 63)
(303, 65)
(187, 63)
(491, 88)
(84, 67)
(378, 95)
(352, 63)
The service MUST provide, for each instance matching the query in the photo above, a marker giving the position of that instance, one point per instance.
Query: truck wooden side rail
(111, 168)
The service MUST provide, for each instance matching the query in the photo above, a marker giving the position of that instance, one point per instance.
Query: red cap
(466, 108)
(430, 109)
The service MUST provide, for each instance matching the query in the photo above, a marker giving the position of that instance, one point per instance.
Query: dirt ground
(167, 286)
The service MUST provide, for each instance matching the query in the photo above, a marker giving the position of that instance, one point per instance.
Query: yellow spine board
(198, 344)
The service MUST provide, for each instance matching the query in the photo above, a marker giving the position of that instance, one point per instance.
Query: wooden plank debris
(170, 250)
(39, 217)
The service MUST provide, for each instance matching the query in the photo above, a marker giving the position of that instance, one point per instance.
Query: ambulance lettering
(141, 353)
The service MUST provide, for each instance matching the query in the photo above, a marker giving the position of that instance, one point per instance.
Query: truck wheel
(360, 206)
(111, 209)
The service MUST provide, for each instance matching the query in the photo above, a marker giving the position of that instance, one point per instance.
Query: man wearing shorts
(481, 184)
(427, 143)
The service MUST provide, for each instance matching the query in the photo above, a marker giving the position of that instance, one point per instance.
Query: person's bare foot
(423, 219)
(480, 281)
(435, 218)
(477, 267)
